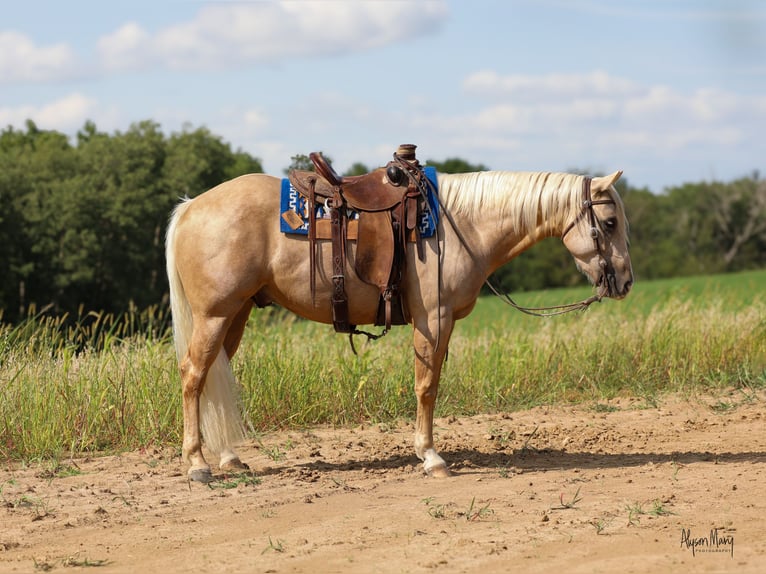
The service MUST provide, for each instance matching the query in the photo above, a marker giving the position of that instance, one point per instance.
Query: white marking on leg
(432, 461)
(227, 455)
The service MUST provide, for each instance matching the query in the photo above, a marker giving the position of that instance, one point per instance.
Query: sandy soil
(617, 487)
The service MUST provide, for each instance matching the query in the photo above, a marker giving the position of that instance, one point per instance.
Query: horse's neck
(488, 220)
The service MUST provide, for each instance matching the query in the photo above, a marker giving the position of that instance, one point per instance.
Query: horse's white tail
(220, 421)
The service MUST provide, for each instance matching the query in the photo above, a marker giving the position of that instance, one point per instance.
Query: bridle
(587, 208)
(607, 271)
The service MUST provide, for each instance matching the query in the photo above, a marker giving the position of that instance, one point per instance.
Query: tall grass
(90, 383)
(111, 383)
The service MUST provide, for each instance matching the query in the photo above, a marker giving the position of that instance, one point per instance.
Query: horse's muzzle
(608, 286)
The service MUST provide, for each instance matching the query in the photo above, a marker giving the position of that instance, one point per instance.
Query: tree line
(83, 219)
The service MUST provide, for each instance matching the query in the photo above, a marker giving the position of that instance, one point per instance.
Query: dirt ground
(623, 486)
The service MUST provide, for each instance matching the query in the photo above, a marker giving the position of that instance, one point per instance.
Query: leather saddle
(387, 203)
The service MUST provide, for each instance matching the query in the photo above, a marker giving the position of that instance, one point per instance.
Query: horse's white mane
(525, 196)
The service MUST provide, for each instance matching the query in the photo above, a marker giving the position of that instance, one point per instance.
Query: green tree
(302, 162)
(197, 160)
(357, 169)
(85, 224)
(455, 165)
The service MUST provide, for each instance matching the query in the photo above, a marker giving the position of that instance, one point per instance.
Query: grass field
(110, 384)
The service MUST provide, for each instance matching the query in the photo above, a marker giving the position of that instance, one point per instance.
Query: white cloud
(66, 114)
(490, 85)
(21, 60)
(230, 34)
(604, 108)
(125, 49)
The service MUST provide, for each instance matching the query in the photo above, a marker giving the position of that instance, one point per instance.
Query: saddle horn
(395, 175)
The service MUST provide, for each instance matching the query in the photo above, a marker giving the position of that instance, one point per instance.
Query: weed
(235, 480)
(658, 509)
(525, 447)
(504, 438)
(722, 407)
(58, 470)
(75, 562)
(274, 453)
(601, 524)
(435, 510)
(605, 408)
(636, 511)
(473, 514)
(506, 471)
(570, 504)
(274, 546)
(676, 467)
(40, 507)
(43, 565)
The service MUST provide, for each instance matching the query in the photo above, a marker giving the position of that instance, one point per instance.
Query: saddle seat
(387, 202)
(363, 193)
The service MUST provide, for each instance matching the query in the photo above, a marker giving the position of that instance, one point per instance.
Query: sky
(669, 91)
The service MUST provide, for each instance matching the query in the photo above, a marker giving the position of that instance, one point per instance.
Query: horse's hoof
(234, 465)
(438, 471)
(434, 465)
(203, 475)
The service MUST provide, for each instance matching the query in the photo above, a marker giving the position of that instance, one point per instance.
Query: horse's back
(244, 193)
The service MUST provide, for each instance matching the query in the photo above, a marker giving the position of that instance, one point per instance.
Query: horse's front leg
(428, 366)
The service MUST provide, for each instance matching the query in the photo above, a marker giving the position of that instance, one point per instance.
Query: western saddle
(388, 202)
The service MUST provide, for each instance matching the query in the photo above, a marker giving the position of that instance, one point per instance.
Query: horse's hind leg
(206, 342)
(230, 460)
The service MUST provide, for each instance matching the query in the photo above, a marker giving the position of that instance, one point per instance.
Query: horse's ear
(605, 182)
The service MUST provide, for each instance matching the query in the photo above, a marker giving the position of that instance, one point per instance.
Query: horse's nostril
(628, 285)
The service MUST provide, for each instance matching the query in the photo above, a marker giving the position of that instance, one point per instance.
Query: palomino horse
(225, 253)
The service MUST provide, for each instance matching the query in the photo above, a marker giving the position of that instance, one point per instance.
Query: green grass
(104, 383)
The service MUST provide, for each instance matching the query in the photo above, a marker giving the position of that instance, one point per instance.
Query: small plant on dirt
(435, 510)
(506, 471)
(75, 562)
(600, 524)
(274, 452)
(43, 565)
(275, 546)
(4, 500)
(722, 407)
(504, 438)
(605, 408)
(676, 467)
(473, 513)
(525, 447)
(235, 480)
(568, 504)
(58, 470)
(636, 511)
(658, 509)
(40, 507)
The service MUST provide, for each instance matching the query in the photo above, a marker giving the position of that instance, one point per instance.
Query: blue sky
(670, 91)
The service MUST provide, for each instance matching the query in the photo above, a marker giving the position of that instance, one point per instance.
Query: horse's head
(597, 237)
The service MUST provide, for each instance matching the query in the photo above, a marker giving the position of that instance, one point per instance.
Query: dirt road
(614, 487)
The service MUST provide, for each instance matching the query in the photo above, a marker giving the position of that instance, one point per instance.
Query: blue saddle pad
(291, 200)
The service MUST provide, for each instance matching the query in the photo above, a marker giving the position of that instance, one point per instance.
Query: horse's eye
(610, 224)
